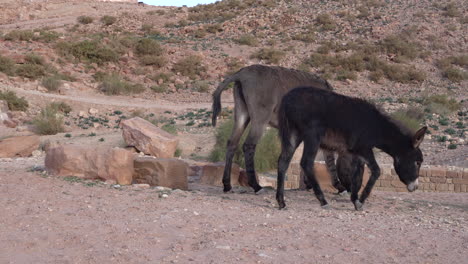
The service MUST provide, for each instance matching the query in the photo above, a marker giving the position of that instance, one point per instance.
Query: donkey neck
(394, 138)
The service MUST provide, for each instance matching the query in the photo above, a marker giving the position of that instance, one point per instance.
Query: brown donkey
(258, 90)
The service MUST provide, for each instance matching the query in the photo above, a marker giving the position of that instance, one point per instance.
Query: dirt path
(50, 220)
(115, 101)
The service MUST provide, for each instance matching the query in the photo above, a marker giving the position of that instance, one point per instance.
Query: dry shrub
(270, 55)
(190, 66)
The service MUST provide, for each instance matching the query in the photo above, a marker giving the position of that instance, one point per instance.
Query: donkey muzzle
(412, 186)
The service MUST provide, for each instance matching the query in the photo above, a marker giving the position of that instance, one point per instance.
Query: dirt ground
(51, 220)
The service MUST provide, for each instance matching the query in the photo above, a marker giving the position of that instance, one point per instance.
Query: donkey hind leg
(356, 181)
(285, 157)
(331, 167)
(311, 145)
(375, 173)
(241, 119)
(255, 133)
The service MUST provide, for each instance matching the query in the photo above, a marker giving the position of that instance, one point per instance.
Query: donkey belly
(334, 141)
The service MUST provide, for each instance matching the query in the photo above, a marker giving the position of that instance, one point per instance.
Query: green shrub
(87, 50)
(34, 59)
(214, 28)
(441, 104)
(85, 20)
(305, 37)
(266, 154)
(159, 88)
(170, 128)
(326, 22)
(452, 146)
(49, 121)
(61, 107)
(52, 83)
(201, 86)
(153, 60)
(148, 46)
(19, 35)
(114, 85)
(14, 102)
(270, 55)
(402, 47)
(161, 76)
(247, 39)
(7, 66)
(30, 71)
(108, 20)
(46, 36)
(455, 74)
(147, 28)
(190, 66)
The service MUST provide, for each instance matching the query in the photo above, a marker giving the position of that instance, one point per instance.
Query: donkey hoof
(227, 188)
(358, 205)
(282, 206)
(261, 191)
(326, 207)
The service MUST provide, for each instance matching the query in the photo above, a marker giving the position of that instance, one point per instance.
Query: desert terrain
(110, 61)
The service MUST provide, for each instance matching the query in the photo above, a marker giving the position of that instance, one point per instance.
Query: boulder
(212, 174)
(22, 146)
(171, 173)
(90, 162)
(148, 138)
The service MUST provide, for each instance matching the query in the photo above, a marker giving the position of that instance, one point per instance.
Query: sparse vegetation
(201, 86)
(7, 65)
(441, 104)
(267, 151)
(52, 83)
(270, 55)
(153, 60)
(87, 50)
(85, 20)
(14, 102)
(61, 107)
(247, 39)
(49, 121)
(159, 88)
(108, 20)
(114, 85)
(148, 46)
(190, 66)
(326, 22)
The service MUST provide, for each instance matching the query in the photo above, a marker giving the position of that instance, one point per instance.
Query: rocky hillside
(398, 53)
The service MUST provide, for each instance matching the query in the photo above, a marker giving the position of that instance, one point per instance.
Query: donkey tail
(216, 108)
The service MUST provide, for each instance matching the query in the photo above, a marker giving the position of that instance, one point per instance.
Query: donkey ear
(419, 136)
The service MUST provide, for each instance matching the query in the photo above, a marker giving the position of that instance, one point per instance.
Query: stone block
(171, 173)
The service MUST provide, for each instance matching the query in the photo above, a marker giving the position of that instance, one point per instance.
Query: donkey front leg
(375, 174)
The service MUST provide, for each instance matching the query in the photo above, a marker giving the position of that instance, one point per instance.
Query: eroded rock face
(90, 162)
(172, 173)
(212, 174)
(148, 138)
(22, 146)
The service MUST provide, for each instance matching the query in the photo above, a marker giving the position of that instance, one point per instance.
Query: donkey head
(408, 163)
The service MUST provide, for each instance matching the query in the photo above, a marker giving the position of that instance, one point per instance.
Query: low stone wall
(431, 179)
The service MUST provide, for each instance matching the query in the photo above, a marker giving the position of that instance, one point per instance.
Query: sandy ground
(51, 220)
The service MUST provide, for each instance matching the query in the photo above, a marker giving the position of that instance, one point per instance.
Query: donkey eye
(418, 163)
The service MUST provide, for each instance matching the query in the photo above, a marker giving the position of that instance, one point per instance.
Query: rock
(171, 173)
(212, 174)
(93, 111)
(90, 162)
(36, 153)
(243, 178)
(10, 123)
(3, 106)
(148, 138)
(141, 185)
(22, 146)
(83, 114)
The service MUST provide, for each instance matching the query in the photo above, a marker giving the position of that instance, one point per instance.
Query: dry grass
(190, 66)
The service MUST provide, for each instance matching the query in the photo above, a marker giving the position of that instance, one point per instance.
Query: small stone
(36, 153)
(93, 111)
(164, 195)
